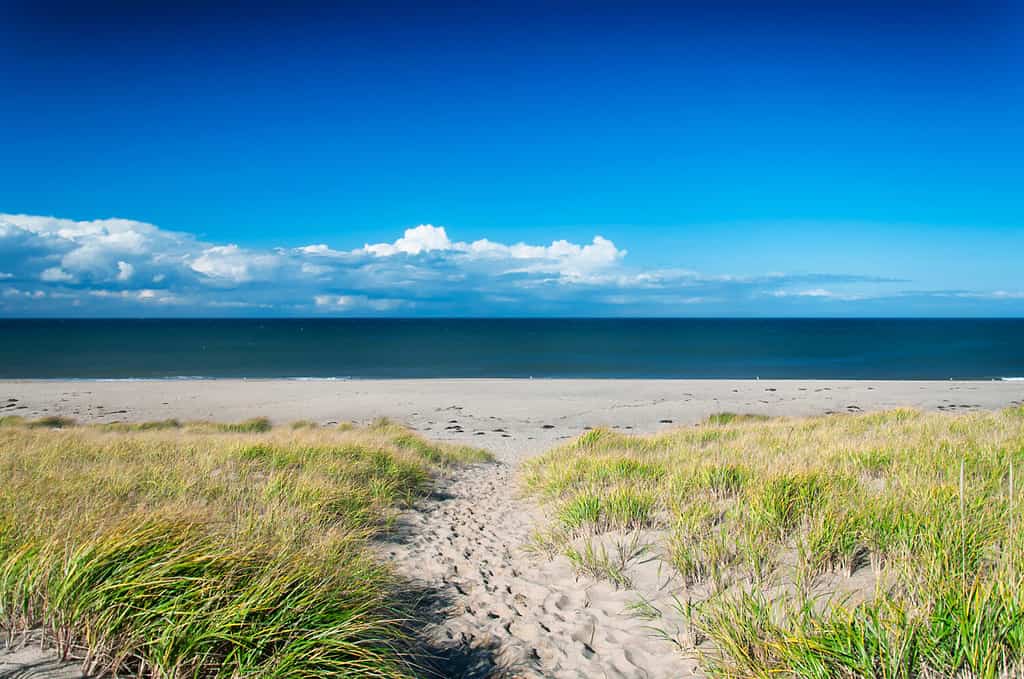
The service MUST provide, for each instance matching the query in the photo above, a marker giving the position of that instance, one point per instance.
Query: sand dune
(501, 608)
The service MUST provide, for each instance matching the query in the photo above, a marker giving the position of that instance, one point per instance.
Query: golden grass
(872, 545)
(206, 550)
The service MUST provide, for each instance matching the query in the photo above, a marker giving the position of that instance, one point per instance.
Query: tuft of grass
(731, 418)
(253, 425)
(205, 551)
(584, 509)
(594, 558)
(153, 425)
(629, 508)
(409, 441)
(50, 422)
(722, 480)
(782, 500)
(879, 544)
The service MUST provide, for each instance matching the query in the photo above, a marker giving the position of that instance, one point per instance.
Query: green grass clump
(722, 480)
(629, 507)
(781, 501)
(410, 442)
(254, 425)
(581, 510)
(729, 418)
(876, 545)
(153, 425)
(50, 422)
(207, 552)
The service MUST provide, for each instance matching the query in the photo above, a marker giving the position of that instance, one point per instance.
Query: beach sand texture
(506, 609)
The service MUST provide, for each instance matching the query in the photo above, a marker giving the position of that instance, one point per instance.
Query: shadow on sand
(453, 658)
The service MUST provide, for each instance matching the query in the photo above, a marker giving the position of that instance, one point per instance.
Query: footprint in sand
(509, 611)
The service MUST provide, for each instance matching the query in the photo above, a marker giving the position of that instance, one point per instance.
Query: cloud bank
(111, 267)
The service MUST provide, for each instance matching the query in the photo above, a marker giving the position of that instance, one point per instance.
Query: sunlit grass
(48, 422)
(173, 549)
(883, 544)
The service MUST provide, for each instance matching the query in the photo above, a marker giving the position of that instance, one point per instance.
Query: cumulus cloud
(355, 302)
(819, 293)
(422, 238)
(995, 294)
(560, 257)
(125, 271)
(28, 294)
(60, 266)
(145, 295)
(55, 274)
(232, 264)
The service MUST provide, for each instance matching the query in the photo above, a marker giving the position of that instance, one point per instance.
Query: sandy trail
(503, 610)
(517, 613)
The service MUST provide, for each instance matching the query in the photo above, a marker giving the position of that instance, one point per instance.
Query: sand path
(517, 613)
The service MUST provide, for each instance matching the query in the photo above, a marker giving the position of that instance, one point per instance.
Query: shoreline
(513, 417)
(300, 378)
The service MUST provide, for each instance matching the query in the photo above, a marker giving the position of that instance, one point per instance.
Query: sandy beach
(532, 413)
(508, 610)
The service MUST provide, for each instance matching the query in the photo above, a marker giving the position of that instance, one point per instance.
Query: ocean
(538, 348)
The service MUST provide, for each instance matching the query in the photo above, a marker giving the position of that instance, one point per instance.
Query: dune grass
(48, 422)
(875, 545)
(173, 549)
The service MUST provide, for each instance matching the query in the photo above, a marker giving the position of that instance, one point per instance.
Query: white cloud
(817, 293)
(356, 302)
(311, 269)
(320, 249)
(232, 264)
(91, 249)
(118, 264)
(571, 260)
(55, 274)
(995, 294)
(422, 238)
(125, 271)
(89, 252)
(31, 294)
(145, 295)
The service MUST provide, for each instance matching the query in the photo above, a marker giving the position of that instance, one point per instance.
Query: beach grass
(172, 549)
(874, 545)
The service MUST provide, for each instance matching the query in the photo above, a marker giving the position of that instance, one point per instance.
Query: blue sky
(522, 159)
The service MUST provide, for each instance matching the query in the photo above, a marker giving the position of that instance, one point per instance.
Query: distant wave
(348, 378)
(172, 378)
(319, 379)
(134, 379)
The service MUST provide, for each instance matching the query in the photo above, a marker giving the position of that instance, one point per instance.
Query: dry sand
(501, 609)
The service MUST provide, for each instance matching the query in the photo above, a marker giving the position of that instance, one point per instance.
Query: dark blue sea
(613, 348)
